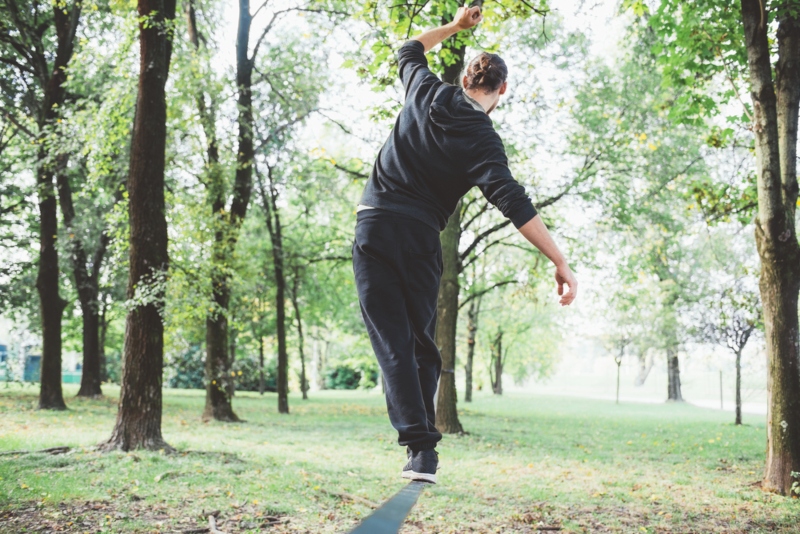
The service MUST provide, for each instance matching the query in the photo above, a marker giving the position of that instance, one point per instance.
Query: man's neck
(485, 100)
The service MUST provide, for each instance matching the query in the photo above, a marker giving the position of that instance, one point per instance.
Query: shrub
(345, 376)
(247, 374)
(188, 369)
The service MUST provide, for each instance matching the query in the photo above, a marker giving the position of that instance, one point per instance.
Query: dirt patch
(107, 516)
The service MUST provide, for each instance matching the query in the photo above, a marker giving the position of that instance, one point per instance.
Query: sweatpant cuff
(426, 446)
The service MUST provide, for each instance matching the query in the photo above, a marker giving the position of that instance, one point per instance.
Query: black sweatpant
(397, 262)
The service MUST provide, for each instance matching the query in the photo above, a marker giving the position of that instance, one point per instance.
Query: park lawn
(528, 461)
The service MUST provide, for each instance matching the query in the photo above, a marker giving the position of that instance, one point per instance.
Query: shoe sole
(423, 477)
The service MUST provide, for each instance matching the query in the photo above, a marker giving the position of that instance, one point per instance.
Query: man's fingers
(475, 15)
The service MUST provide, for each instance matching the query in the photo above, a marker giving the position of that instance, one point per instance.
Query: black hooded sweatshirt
(440, 147)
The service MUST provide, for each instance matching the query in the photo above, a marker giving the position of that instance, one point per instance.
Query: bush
(188, 369)
(349, 377)
(247, 374)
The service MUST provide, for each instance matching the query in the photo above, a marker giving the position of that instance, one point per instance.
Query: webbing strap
(389, 518)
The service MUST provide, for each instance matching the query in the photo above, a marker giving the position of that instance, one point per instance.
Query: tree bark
(90, 376)
(138, 422)
(101, 346)
(673, 376)
(88, 288)
(775, 108)
(472, 331)
(646, 362)
(738, 387)
(300, 348)
(321, 359)
(447, 308)
(226, 224)
(51, 305)
(497, 363)
(232, 338)
(276, 237)
(447, 320)
(260, 365)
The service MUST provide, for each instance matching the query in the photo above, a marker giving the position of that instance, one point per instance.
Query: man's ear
(503, 88)
(464, 81)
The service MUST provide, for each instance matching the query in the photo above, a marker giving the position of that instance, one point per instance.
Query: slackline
(389, 518)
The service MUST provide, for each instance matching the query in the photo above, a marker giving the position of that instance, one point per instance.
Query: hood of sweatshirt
(453, 114)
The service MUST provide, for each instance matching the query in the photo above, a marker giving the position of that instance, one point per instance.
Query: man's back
(439, 148)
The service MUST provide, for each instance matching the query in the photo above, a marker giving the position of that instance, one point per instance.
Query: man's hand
(564, 276)
(467, 17)
(536, 232)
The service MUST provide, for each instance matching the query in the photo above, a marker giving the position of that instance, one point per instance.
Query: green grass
(528, 461)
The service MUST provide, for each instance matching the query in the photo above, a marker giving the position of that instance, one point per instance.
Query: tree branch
(482, 292)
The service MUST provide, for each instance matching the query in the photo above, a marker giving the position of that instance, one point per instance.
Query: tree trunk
(218, 399)
(276, 237)
(497, 363)
(88, 288)
(447, 308)
(472, 330)
(231, 383)
(738, 387)
(219, 383)
(280, 303)
(447, 320)
(51, 305)
(673, 376)
(296, 305)
(90, 376)
(138, 422)
(646, 361)
(260, 365)
(775, 115)
(321, 363)
(101, 345)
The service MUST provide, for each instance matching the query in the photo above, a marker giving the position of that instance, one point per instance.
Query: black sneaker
(422, 466)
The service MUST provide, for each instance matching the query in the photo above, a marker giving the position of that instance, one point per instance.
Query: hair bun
(486, 72)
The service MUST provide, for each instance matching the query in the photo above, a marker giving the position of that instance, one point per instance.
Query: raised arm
(536, 232)
(466, 18)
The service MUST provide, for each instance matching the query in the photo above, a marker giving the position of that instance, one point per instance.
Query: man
(442, 145)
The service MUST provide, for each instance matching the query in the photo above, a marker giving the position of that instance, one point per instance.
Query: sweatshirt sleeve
(489, 171)
(413, 66)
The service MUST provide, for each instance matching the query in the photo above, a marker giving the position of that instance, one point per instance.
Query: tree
(269, 203)
(38, 45)
(299, 322)
(94, 131)
(498, 360)
(473, 313)
(138, 423)
(734, 316)
(644, 163)
(709, 41)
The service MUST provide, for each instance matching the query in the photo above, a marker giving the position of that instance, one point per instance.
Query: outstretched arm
(536, 232)
(466, 18)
